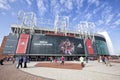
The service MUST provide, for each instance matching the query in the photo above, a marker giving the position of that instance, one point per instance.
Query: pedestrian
(13, 60)
(20, 61)
(25, 62)
(107, 61)
(1, 61)
(51, 59)
(103, 59)
(62, 60)
(86, 59)
(81, 59)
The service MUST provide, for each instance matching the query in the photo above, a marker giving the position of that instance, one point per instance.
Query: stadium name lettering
(43, 43)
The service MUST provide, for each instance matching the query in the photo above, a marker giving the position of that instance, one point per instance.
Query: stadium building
(45, 43)
(42, 43)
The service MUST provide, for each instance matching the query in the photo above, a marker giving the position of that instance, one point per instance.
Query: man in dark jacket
(20, 61)
(1, 61)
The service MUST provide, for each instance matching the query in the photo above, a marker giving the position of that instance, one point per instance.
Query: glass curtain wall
(100, 47)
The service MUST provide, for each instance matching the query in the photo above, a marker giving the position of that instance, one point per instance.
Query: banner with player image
(47, 44)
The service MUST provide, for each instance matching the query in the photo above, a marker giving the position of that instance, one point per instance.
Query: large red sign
(89, 46)
(22, 44)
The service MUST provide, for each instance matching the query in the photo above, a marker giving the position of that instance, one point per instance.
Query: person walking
(62, 60)
(13, 60)
(103, 59)
(25, 62)
(86, 58)
(81, 59)
(107, 61)
(20, 61)
(1, 61)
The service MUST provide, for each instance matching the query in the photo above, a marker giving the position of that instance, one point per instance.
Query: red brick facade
(2, 46)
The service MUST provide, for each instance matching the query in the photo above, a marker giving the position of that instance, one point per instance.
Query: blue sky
(104, 13)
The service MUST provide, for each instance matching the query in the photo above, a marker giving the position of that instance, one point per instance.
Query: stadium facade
(38, 42)
(44, 43)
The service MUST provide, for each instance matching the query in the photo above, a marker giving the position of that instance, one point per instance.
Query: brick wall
(3, 42)
(2, 46)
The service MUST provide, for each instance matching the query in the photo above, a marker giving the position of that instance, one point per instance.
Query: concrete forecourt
(92, 71)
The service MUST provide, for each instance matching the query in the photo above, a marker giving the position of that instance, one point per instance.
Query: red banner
(89, 46)
(22, 44)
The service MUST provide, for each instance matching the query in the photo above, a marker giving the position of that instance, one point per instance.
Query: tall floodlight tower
(56, 23)
(61, 23)
(83, 28)
(26, 19)
(30, 21)
(86, 30)
(92, 30)
(108, 41)
(20, 21)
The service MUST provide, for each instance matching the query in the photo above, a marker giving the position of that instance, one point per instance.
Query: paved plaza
(92, 71)
(8, 71)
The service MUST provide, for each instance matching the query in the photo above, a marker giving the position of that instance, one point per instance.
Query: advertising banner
(48, 44)
(22, 44)
(89, 46)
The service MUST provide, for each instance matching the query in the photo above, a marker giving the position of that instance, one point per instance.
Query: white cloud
(96, 2)
(41, 7)
(74, 19)
(12, 0)
(79, 3)
(91, 2)
(112, 27)
(117, 22)
(88, 16)
(53, 3)
(109, 18)
(67, 4)
(4, 4)
(28, 2)
(55, 7)
(99, 8)
(114, 24)
(60, 7)
(100, 22)
(62, 1)
(108, 9)
(107, 14)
